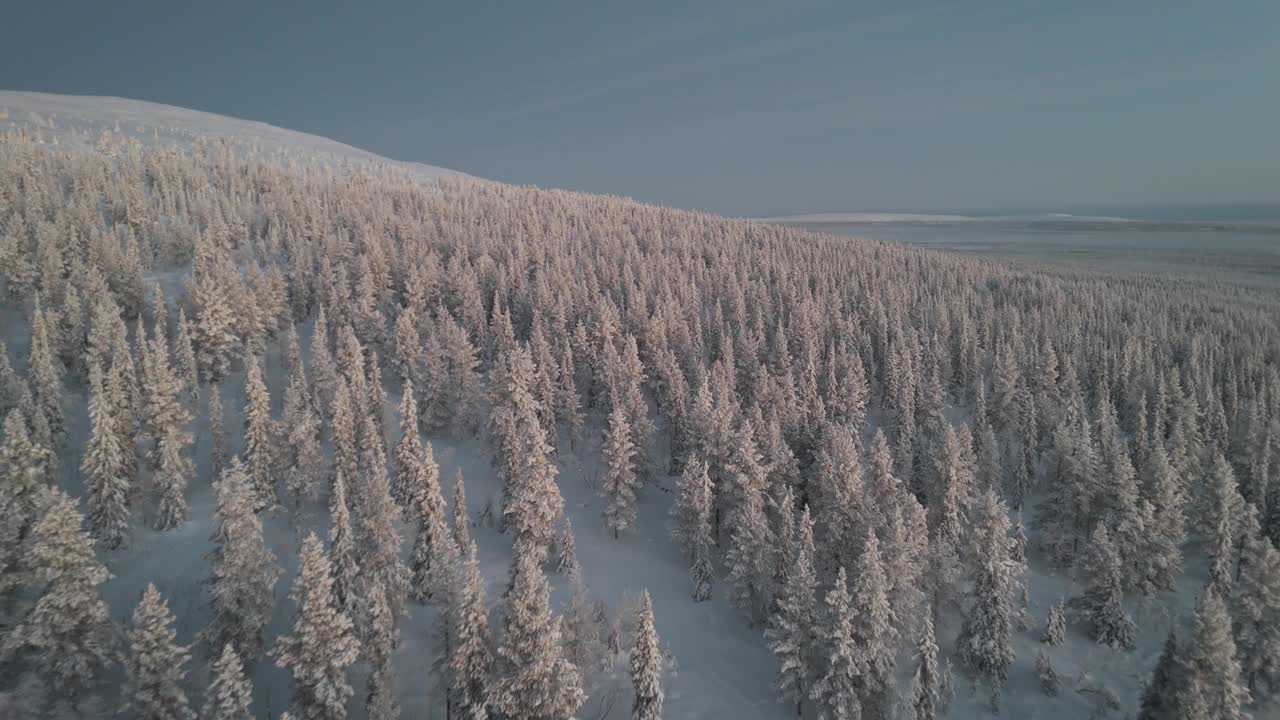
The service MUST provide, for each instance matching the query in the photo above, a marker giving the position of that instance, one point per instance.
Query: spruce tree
(105, 468)
(184, 357)
(471, 659)
(217, 434)
(1108, 623)
(379, 647)
(461, 516)
(791, 632)
(1047, 675)
(380, 536)
(342, 550)
(164, 412)
(68, 631)
(1210, 684)
(646, 666)
(985, 641)
(533, 681)
(567, 562)
(24, 467)
(45, 372)
(155, 663)
(836, 688)
(875, 631)
(171, 480)
(620, 482)
(1055, 628)
(305, 466)
(230, 693)
(322, 646)
(214, 334)
(1255, 608)
(433, 530)
(259, 436)
(1159, 694)
(926, 691)
(581, 627)
(531, 496)
(407, 483)
(243, 571)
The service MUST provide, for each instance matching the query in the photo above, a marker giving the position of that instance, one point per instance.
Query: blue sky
(740, 107)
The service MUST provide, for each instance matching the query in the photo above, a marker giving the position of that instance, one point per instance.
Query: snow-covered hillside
(976, 444)
(78, 120)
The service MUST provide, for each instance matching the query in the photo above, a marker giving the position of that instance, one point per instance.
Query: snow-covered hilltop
(78, 120)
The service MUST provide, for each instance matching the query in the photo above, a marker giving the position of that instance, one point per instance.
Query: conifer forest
(294, 435)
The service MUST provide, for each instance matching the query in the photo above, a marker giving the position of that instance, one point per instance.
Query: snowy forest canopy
(905, 469)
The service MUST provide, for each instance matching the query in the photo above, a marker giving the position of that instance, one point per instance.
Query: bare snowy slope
(79, 119)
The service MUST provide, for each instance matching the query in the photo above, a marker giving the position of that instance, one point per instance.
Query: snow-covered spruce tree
(243, 571)
(461, 516)
(1209, 684)
(164, 412)
(324, 375)
(1108, 623)
(1222, 521)
(620, 482)
(749, 555)
(155, 663)
(214, 334)
(24, 472)
(471, 659)
(407, 350)
(791, 632)
(751, 544)
(407, 483)
(184, 357)
(533, 681)
(322, 646)
(342, 434)
(839, 498)
(45, 371)
(105, 468)
(434, 552)
(171, 478)
(11, 385)
(379, 517)
(1160, 691)
(926, 691)
(68, 631)
(379, 648)
(1047, 675)
(985, 641)
(217, 434)
(1255, 606)
(1072, 472)
(646, 666)
(1055, 627)
(531, 497)
(835, 691)
(951, 493)
(259, 436)
(876, 632)
(342, 550)
(303, 457)
(1128, 516)
(581, 629)
(230, 691)
(691, 511)
(567, 559)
